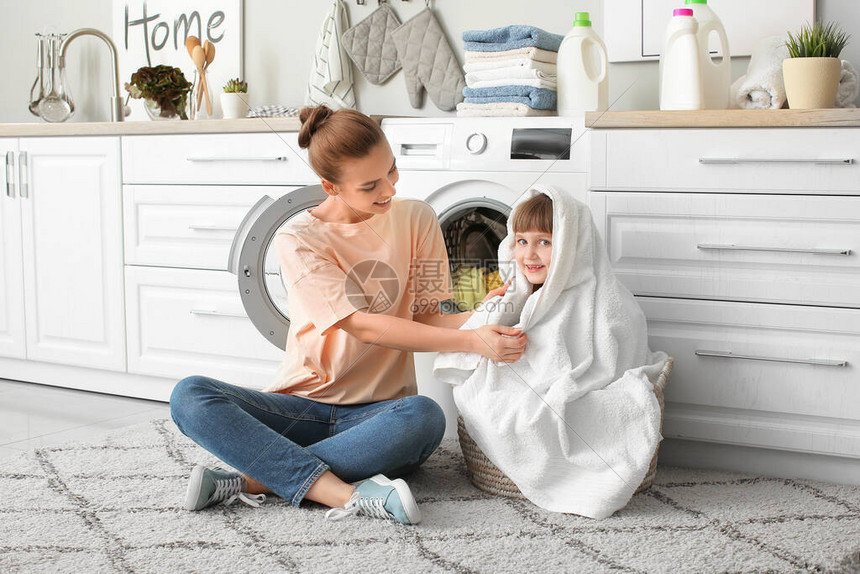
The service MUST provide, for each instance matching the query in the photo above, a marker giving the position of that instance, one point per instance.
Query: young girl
(343, 408)
(532, 225)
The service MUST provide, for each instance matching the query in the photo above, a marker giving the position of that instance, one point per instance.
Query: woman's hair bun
(312, 118)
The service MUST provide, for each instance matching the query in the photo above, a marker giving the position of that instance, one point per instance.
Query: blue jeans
(286, 442)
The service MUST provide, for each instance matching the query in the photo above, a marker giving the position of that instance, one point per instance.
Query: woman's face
(367, 184)
(532, 252)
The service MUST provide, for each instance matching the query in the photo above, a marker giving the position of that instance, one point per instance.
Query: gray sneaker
(380, 497)
(210, 486)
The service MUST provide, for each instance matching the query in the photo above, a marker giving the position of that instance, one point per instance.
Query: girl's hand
(498, 291)
(500, 343)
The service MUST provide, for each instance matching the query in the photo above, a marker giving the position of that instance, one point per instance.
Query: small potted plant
(164, 91)
(234, 100)
(813, 69)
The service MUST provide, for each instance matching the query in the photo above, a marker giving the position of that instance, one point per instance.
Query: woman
(344, 407)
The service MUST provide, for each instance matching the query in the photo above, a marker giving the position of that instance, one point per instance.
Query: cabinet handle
(733, 247)
(730, 355)
(203, 227)
(740, 160)
(23, 175)
(215, 313)
(229, 158)
(10, 174)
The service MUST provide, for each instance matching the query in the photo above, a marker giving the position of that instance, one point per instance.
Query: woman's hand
(498, 291)
(500, 343)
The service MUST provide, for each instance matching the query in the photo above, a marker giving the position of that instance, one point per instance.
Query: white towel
(848, 87)
(762, 86)
(530, 53)
(525, 63)
(574, 423)
(512, 76)
(331, 76)
(499, 109)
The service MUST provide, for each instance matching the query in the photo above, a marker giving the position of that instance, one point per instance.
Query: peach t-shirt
(385, 264)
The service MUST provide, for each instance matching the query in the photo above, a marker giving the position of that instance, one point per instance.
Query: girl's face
(366, 184)
(532, 252)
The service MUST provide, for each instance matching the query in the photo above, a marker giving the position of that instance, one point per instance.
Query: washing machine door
(254, 260)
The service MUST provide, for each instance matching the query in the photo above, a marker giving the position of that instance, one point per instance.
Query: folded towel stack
(510, 71)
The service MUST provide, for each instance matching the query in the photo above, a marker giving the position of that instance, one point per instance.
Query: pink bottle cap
(682, 12)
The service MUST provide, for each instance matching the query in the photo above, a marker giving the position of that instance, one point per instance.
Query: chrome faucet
(117, 109)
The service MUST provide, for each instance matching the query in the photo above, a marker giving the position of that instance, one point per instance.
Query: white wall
(279, 40)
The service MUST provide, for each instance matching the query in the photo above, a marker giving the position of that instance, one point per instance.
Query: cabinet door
(72, 238)
(11, 265)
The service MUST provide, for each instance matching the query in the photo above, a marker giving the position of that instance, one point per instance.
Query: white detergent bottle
(680, 64)
(583, 81)
(716, 76)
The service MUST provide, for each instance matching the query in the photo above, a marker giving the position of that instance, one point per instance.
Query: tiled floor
(34, 416)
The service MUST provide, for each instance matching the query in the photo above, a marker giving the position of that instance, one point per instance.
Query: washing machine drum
(254, 260)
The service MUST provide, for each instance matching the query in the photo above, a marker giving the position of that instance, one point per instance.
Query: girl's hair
(334, 136)
(534, 214)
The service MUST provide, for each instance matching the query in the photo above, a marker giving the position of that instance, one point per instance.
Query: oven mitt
(429, 62)
(370, 46)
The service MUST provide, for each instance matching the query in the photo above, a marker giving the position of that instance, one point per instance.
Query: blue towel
(536, 98)
(511, 38)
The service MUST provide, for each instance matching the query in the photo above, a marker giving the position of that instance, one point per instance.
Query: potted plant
(813, 69)
(164, 90)
(234, 100)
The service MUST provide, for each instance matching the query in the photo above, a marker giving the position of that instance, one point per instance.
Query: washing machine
(470, 170)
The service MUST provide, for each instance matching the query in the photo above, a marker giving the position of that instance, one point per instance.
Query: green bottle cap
(581, 19)
(697, 1)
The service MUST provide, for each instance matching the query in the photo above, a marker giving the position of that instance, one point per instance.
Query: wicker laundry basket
(487, 476)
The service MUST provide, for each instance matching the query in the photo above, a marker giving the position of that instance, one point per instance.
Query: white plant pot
(233, 105)
(811, 83)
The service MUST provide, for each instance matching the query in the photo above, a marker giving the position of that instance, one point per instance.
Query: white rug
(115, 507)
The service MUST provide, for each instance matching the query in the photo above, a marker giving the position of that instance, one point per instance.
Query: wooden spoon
(209, 52)
(190, 42)
(199, 59)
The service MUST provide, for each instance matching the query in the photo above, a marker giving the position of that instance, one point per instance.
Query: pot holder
(429, 62)
(370, 46)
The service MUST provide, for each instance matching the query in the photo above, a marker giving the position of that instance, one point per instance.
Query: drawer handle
(10, 173)
(739, 160)
(203, 227)
(23, 175)
(733, 247)
(730, 355)
(229, 158)
(215, 313)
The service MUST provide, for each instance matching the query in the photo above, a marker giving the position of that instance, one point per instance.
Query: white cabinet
(12, 332)
(743, 248)
(64, 223)
(185, 314)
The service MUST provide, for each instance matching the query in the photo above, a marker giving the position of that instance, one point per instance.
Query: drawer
(186, 226)
(780, 249)
(259, 158)
(759, 358)
(185, 322)
(749, 160)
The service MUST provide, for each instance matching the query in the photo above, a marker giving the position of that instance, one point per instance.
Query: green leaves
(236, 86)
(164, 85)
(818, 41)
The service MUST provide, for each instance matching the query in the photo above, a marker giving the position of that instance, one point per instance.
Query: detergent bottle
(716, 77)
(583, 81)
(680, 64)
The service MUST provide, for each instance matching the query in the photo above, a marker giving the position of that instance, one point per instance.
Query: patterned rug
(115, 507)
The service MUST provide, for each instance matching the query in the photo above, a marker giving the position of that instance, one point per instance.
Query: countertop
(842, 117)
(244, 125)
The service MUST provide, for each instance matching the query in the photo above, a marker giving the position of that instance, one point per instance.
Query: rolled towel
(848, 86)
(509, 38)
(511, 76)
(529, 54)
(499, 109)
(537, 98)
(762, 87)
